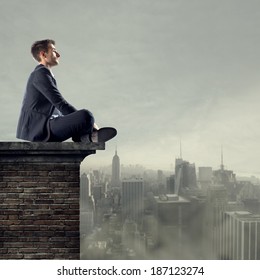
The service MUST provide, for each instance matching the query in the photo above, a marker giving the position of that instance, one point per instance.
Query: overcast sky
(158, 71)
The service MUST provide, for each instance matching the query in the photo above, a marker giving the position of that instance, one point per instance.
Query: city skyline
(171, 170)
(208, 215)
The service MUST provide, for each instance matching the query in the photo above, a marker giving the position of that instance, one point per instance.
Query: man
(45, 114)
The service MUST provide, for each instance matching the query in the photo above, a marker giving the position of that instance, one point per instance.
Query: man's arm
(43, 81)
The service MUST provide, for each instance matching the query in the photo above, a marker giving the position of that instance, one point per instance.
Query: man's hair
(39, 46)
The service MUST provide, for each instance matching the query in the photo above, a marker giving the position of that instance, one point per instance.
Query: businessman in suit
(45, 115)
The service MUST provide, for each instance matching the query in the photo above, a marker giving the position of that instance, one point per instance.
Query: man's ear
(42, 54)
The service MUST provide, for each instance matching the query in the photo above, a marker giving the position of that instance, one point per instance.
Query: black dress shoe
(103, 134)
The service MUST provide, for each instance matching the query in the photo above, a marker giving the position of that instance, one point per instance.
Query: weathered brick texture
(39, 199)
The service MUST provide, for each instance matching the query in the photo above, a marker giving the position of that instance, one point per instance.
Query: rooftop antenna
(180, 150)
(222, 164)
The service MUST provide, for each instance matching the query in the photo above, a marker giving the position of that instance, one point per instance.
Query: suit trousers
(73, 126)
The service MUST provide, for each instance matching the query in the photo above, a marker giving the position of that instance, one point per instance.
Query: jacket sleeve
(44, 82)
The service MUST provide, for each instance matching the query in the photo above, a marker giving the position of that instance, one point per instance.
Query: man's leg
(73, 125)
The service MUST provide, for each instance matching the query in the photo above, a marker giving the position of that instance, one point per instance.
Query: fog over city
(129, 212)
(161, 72)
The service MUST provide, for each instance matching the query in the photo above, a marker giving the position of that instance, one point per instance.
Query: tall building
(86, 221)
(240, 236)
(170, 184)
(185, 176)
(86, 206)
(216, 203)
(115, 181)
(174, 232)
(84, 191)
(133, 200)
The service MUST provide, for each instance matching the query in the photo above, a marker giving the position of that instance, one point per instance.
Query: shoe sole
(106, 133)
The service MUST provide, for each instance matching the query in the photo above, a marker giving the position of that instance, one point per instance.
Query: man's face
(52, 56)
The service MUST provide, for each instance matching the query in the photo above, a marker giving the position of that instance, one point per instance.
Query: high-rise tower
(133, 200)
(115, 181)
(185, 176)
(84, 191)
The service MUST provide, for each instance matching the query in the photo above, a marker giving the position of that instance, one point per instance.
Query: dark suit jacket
(40, 99)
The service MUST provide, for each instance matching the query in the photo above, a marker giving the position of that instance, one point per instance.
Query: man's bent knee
(87, 116)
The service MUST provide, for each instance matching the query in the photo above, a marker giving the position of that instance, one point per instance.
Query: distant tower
(115, 181)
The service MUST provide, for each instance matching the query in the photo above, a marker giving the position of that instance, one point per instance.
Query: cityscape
(129, 212)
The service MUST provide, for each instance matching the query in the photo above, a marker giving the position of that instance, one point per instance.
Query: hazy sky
(157, 70)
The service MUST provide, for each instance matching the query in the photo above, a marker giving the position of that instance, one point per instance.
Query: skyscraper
(174, 234)
(185, 176)
(170, 184)
(86, 206)
(115, 181)
(84, 191)
(240, 236)
(133, 200)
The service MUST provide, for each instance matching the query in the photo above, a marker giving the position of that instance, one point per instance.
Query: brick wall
(39, 200)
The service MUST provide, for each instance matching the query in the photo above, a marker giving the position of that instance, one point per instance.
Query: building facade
(240, 236)
(133, 200)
